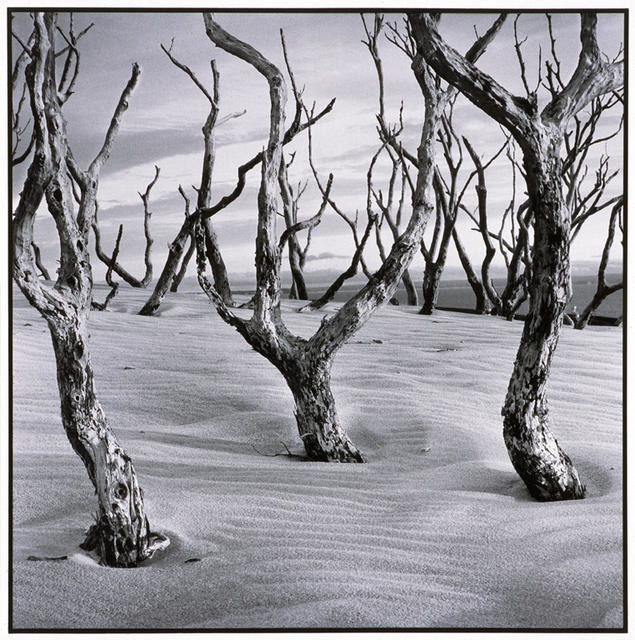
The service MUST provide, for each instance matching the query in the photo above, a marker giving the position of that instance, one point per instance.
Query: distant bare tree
(603, 290)
(114, 286)
(122, 533)
(111, 261)
(351, 221)
(545, 468)
(180, 274)
(388, 135)
(448, 192)
(297, 254)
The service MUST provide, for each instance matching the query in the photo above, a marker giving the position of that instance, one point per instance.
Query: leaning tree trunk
(178, 277)
(482, 301)
(121, 533)
(411, 290)
(545, 468)
(219, 271)
(175, 251)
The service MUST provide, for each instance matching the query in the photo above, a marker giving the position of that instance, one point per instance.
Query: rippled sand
(435, 531)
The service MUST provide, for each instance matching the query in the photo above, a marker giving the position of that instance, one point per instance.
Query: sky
(163, 124)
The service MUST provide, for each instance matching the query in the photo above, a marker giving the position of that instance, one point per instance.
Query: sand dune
(435, 531)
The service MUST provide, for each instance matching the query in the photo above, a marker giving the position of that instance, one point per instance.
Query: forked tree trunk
(121, 534)
(541, 463)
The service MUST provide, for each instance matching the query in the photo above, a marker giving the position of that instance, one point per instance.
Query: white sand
(435, 531)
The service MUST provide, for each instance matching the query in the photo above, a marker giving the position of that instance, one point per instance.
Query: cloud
(326, 255)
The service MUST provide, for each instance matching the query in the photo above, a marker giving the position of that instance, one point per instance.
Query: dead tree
(585, 193)
(20, 130)
(111, 261)
(351, 221)
(180, 274)
(448, 198)
(516, 249)
(290, 198)
(221, 279)
(306, 363)
(177, 247)
(389, 213)
(603, 290)
(388, 135)
(290, 203)
(545, 468)
(448, 194)
(114, 286)
(122, 533)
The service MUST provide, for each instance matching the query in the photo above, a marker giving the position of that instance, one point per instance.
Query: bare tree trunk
(38, 261)
(298, 288)
(534, 452)
(318, 423)
(175, 252)
(178, 277)
(603, 290)
(219, 271)
(121, 534)
(431, 281)
(411, 291)
(518, 271)
(482, 301)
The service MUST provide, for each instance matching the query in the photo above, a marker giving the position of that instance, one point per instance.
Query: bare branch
(115, 123)
(189, 72)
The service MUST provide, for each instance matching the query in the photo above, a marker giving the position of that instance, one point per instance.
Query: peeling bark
(318, 423)
(121, 535)
(533, 450)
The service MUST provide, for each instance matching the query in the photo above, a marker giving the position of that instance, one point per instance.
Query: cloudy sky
(163, 123)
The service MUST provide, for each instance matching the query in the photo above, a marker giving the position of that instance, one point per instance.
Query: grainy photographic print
(316, 319)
